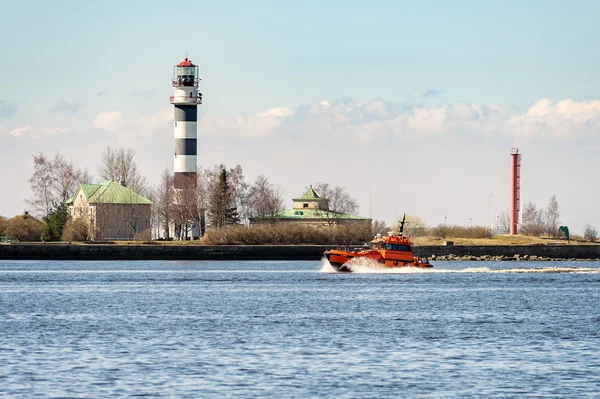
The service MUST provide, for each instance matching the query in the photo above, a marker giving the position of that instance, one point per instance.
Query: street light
(446, 220)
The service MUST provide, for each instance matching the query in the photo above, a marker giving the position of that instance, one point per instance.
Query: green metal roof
(110, 192)
(310, 214)
(309, 195)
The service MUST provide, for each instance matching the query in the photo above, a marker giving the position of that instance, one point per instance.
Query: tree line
(220, 197)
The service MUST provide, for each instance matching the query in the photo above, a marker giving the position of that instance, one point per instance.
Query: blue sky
(439, 87)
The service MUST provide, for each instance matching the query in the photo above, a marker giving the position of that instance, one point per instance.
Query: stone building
(113, 211)
(308, 210)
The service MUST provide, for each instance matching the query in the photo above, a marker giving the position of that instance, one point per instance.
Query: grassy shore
(499, 240)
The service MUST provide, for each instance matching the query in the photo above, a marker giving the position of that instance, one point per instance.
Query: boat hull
(338, 259)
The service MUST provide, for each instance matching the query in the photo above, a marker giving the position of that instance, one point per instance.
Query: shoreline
(284, 252)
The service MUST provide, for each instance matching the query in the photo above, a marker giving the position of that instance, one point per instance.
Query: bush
(145, 235)
(24, 228)
(76, 230)
(3, 225)
(288, 234)
(444, 231)
(590, 233)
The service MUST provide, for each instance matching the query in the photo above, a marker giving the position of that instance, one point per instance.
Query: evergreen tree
(223, 211)
(55, 223)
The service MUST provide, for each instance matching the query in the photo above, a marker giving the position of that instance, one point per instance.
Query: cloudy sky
(413, 106)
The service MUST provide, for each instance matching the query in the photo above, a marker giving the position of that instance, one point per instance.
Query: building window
(305, 206)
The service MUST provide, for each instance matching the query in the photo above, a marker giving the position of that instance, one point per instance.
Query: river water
(297, 330)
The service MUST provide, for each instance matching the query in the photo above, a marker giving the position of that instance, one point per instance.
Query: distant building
(308, 210)
(113, 211)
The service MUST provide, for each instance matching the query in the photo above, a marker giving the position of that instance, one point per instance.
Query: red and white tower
(185, 100)
(515, 189)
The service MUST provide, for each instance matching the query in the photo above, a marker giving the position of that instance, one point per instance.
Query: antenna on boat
(401, 224)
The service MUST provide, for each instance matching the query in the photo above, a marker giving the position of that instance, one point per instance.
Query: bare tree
(533, 220)
(165, 196)
(119, 165)
(415, 226)
(378, 227)
(503, 223)
(186, 214)
(41, 184)
(53, 182)
(552, 215)
(590, 233)
(335, 202)
(265, 199)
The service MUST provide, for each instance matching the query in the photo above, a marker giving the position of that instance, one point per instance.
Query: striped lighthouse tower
(185, 100)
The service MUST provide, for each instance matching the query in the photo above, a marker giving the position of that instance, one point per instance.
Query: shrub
(590, 233)
(444, 231)
(145, 235)
(76, 230)
(3, 225)
(288, 234)
(24, 228)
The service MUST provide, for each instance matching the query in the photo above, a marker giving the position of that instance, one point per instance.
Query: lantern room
(185, 74)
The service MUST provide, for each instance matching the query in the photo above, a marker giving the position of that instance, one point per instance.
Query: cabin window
(397, 247)
(305, 205)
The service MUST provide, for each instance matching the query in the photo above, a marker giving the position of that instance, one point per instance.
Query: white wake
(363, 265)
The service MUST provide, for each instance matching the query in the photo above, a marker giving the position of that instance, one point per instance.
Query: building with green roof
(309, 209)
(112, 210)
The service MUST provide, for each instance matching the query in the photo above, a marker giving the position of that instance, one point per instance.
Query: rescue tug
(393, 250)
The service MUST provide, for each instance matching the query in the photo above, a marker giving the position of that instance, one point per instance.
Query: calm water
(291, 330)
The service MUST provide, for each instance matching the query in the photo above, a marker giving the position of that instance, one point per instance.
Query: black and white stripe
(186, 146)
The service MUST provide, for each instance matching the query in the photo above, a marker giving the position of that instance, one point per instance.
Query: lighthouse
(185, 100)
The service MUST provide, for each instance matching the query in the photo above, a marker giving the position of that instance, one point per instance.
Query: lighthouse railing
(186, 100)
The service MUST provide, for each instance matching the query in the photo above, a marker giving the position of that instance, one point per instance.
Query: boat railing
(351, 248)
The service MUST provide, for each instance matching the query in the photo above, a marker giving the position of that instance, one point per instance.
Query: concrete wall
(262, 252)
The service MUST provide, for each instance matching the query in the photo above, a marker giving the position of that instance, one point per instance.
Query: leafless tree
(378, 227)
(533, 220)
(154, 220)
(590, 233)
(552, 216)
(265, 199)
(503, 223)
(185, 210)
(335, 203)
(119, 165)
(165, 196)
(53, 182)
(415, 226)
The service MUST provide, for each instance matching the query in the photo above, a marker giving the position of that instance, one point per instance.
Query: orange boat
(393, 250)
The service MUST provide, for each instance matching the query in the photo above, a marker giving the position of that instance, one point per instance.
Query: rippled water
(296, 330)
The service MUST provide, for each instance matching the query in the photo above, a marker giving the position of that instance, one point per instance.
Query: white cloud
(566, 119)
(375, 119)
(20, 130)
(109, 121)
(144, 126)
(37, 132)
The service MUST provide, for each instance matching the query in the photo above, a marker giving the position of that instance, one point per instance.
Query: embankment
(273, 252)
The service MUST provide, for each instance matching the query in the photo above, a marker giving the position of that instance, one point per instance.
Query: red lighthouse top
(185, 63)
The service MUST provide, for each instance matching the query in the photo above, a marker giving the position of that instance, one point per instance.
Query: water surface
(294, 330)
